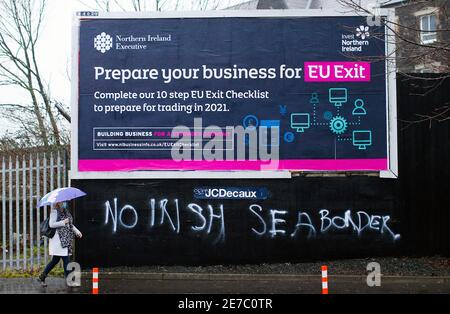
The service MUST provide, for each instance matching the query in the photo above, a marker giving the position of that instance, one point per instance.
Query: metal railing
(25, 178)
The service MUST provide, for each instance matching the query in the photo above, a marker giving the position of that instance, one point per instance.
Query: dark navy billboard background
(128, 104)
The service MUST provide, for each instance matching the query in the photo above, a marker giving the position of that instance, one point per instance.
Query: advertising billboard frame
(391, 101)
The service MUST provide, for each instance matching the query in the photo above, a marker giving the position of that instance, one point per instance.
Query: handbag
(46, 231)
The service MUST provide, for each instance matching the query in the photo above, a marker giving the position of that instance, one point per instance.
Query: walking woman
(60, 246)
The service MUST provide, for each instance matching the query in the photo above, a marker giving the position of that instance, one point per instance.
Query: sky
(54, 52)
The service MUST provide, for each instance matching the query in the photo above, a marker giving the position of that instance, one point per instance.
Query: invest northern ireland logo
(103, 42)
(362, 32)
(356, 41)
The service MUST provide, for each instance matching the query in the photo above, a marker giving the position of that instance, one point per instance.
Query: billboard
(232, 92)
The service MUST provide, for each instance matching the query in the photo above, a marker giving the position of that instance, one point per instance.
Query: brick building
(423, 35)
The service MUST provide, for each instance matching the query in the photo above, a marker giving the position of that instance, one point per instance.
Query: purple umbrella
(60, 195)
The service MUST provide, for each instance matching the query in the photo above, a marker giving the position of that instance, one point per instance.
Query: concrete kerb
(251, 277)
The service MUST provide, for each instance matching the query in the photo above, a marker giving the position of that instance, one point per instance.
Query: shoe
(41, 280)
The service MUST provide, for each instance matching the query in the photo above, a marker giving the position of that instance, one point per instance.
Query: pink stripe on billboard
(245, 165)
(337, 72)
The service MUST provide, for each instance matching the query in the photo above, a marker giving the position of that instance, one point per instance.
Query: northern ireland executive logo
(103, 42)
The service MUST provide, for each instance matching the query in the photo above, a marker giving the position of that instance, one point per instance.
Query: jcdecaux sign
(232, 91)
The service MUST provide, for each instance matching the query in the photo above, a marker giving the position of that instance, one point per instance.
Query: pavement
(399, 275)
(209, 283)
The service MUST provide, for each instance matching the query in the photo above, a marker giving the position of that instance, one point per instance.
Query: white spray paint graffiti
(164, 213)
(300, 224)
(358, 223)
(262, 221)
(209, 220)
(169, 217)
(276, 221)
(374, 222)
(207, 226)
(109, 211)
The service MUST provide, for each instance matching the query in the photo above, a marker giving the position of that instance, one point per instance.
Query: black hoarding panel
(144, 222)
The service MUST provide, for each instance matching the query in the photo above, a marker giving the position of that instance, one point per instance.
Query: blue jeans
(55, 261)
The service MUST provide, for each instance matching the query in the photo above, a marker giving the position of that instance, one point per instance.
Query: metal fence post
(45, 207)
(10, 214)
(52, 174)
(31, 214)
(38, 210)
(17, 214)
(58, 168)
(52, 177)
(65, 180)
(24, 211)
(3, 213)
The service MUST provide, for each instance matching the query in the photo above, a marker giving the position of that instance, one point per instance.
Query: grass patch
(31, 273)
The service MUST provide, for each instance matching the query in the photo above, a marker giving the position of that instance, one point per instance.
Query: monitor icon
(362, 139)
(300, 121)
(337, 96)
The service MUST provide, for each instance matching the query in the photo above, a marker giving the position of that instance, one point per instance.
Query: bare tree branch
(20, 27)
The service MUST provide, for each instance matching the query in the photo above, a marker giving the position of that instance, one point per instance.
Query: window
(428, 29)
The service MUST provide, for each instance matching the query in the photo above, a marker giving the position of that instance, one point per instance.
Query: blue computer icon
(337, 96)
(362, 139)
(300, 121)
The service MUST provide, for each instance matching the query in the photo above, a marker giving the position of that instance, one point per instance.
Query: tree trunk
(44, 96)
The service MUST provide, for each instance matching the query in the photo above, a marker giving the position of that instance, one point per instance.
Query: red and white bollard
(324, 280)
(95, 280)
